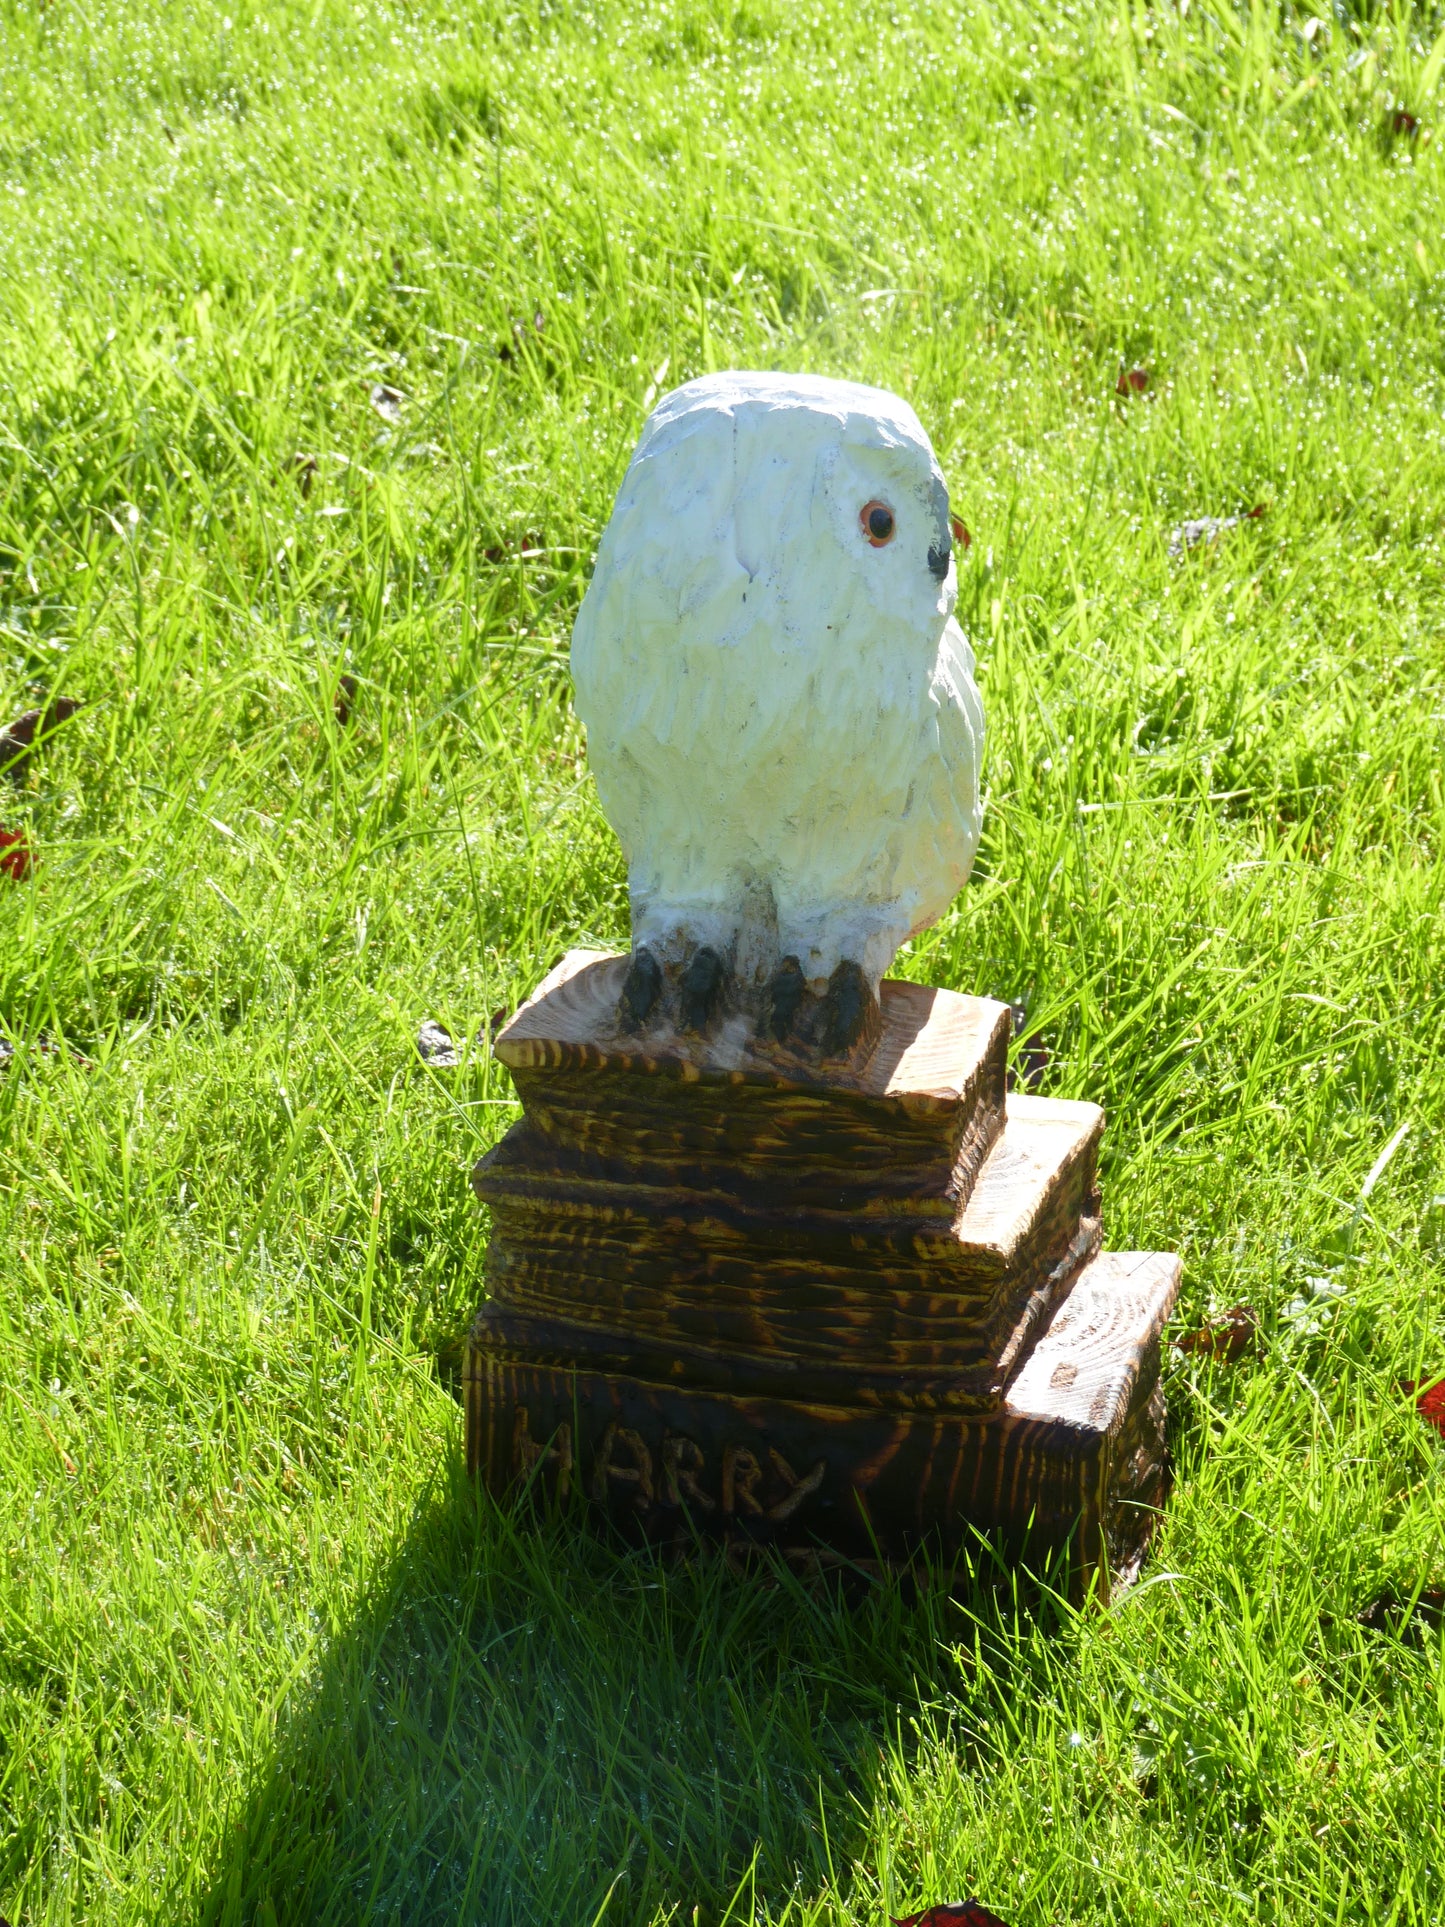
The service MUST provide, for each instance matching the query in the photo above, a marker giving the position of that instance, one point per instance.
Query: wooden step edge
(1041, 1303)
(1039, 1149)
(524, 1339)
(639, 1282)
(933, 1043)
(531, 1161)
(1083, 1376)
(962, 1372)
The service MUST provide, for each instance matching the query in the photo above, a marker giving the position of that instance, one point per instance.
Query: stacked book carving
(856, 1308)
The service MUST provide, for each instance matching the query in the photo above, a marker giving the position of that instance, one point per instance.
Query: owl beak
(941, 553)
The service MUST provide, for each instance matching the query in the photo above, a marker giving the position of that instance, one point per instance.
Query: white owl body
(781, 712)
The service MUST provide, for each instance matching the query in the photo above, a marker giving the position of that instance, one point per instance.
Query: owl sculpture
(781, 713)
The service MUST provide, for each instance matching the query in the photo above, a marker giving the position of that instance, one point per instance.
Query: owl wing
(946, 808)
(662, 702)
(960, 726)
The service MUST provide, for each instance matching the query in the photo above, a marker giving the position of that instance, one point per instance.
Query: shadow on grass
(523, 1717)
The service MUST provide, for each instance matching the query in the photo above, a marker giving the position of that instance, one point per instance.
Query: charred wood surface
(915, 1119)
(1075, 1451)
(860, 1305)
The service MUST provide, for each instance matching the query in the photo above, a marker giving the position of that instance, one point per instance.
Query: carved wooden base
(855, 1305)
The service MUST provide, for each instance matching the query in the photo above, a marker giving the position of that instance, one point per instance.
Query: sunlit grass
(262, 1654)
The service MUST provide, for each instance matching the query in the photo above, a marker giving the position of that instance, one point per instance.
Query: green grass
(263, 1655)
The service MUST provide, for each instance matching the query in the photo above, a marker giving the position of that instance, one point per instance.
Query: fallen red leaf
(1403, 122)
(1429, 1401)
(526, 546)
(17, 859)
(950, 1913)
(960, 532)
(1228, 1336)
(1132, 381)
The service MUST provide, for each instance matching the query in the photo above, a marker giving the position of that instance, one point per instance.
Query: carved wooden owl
(780, 708)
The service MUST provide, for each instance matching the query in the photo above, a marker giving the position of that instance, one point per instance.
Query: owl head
(788, 513)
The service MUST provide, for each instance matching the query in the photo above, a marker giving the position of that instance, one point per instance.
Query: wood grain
(916, 1118)
(1093, 1376)
(1084, 1368)
(931, 1040)
(857, 1304)
(667, 1462)
(890, 1307)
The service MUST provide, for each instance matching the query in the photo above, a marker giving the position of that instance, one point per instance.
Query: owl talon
(849, 1009)
(701, 986)
(785, 995)
(641, 989)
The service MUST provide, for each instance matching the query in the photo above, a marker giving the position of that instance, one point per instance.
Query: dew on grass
(908, 165)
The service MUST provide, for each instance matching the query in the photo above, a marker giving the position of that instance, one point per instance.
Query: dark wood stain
(859, 1306)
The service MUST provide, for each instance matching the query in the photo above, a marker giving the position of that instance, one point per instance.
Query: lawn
(325, 333)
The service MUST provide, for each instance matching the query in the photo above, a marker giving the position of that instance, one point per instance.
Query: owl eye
(877, 520)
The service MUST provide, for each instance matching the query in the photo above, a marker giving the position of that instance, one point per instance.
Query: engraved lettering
(527, 1454)
(682, 1460)
(674, 1476)
(740, 1475)
(798, 1489)
(639, 1473)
